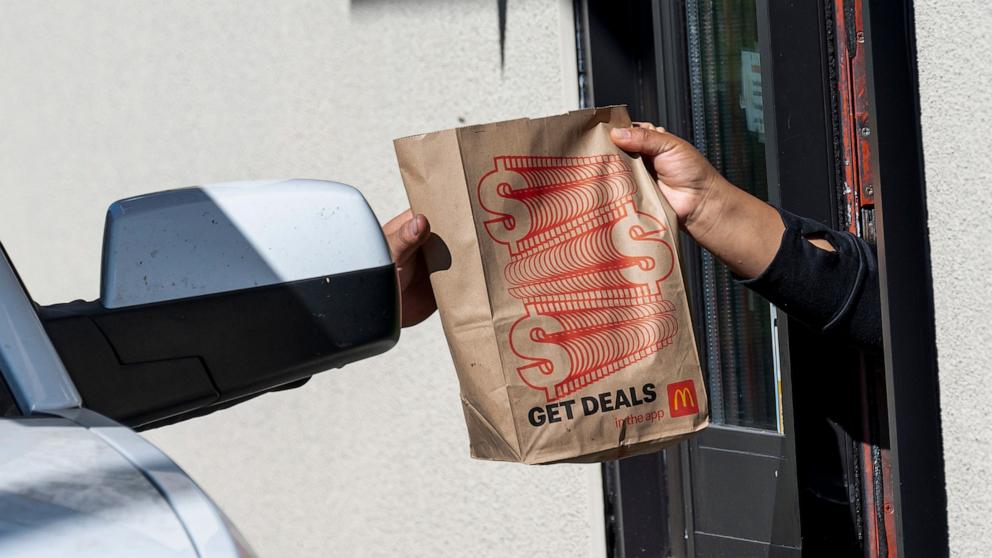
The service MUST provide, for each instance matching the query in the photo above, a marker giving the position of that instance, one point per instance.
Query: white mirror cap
(235, 235)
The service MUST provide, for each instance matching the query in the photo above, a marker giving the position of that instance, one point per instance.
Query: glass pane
(728, 127)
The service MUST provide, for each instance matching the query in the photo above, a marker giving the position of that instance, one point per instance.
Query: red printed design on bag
(682, 399)
(587, 265)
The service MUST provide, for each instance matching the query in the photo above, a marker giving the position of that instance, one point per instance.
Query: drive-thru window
(809, 105)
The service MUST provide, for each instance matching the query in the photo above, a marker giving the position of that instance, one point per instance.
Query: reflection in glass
(728, 127)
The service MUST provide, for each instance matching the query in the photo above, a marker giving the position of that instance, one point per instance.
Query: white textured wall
(106, 99)
(955, 67)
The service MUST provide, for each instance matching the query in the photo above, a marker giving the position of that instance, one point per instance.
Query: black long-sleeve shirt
(835, 293)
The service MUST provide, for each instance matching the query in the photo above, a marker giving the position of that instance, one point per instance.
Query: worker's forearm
(739, 229)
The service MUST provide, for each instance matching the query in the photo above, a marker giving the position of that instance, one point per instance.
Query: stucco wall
(108, 99)
(955, 68)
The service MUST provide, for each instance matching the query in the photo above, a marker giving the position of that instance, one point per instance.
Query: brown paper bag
(556, 274)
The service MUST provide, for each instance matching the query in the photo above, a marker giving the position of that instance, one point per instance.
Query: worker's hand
(742, 231)
(685, 177)
(406, 233)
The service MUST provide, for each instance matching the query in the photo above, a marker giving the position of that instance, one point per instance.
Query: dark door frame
(621, 62)
(906, 283)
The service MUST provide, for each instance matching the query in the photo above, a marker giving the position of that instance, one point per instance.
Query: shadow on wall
(367, 8)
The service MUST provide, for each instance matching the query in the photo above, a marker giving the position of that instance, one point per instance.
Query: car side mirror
(214, 294)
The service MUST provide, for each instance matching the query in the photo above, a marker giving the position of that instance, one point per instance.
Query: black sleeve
(835, 293)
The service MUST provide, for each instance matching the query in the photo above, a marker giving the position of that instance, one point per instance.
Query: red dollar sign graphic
(654, 257)
(513, 221)
(586, 265)
(528, 338)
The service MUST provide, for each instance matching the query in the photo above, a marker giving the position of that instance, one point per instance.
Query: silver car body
(74, 483)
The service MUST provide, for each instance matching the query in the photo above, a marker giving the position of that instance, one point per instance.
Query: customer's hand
(406, 234)
(684, 176)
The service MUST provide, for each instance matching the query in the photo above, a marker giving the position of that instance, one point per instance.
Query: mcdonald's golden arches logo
(682, 399)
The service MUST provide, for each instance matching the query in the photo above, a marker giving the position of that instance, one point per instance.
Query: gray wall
(955, 65)
(106, 99)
